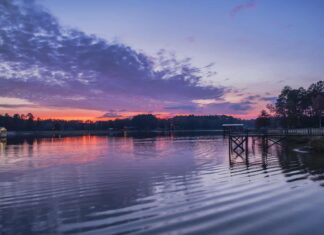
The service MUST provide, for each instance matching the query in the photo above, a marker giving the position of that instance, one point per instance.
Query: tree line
(295, 108)
(21, 122)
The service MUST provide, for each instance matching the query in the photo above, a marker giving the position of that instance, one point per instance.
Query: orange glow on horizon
(131, 114)
(93, 115)
(245, 116)
(96, 117)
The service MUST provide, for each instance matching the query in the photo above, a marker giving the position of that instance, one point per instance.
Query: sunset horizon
(84, 115)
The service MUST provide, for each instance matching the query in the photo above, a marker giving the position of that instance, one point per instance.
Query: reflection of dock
(243, 148)
(3, 132)
(3, 143)
(3, 138)
(241, 144)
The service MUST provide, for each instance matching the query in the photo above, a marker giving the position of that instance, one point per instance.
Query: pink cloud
(241, 7)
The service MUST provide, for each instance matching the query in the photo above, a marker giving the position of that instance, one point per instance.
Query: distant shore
(53, 133)
(64, 133)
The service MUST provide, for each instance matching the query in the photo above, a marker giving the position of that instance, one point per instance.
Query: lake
(157, 185)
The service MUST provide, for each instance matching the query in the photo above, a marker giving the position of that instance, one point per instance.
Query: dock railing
(280, 132)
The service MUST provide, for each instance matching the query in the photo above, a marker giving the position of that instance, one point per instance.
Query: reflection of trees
(301, 164)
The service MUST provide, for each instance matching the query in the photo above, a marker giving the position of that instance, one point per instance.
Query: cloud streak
(242, 7)
(14, 106)
(111, 114)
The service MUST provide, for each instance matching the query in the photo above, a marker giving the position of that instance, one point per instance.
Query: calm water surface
(160, 185)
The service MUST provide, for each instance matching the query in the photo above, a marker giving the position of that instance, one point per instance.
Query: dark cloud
(14, 106)
(253, 97)
(55, 66)
(111, 114)
(271, 99)
(231, 108)
(244, 106)
(190, 108)
(260, 98)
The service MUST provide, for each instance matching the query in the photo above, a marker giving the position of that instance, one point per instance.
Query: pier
(241, 141)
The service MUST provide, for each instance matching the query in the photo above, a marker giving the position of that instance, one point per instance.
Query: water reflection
(155, 185)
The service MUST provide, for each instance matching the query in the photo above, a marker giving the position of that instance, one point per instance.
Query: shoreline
(12, 134)
(314, 143)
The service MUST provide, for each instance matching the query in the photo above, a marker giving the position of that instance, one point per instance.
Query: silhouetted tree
(316, 98)
(263, 120)
(144, 122)
(300, 107)
(30, 121)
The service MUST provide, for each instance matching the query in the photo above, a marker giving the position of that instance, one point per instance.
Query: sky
(106, 59)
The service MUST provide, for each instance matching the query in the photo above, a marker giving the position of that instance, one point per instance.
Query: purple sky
(85, 59)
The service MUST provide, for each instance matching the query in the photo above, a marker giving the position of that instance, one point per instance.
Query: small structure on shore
(228, 128)
(3, 132)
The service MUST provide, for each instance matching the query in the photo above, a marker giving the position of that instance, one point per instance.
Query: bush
(317, 144)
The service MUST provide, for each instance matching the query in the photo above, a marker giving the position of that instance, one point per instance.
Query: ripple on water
(102, 185)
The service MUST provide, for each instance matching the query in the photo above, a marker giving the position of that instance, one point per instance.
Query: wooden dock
(239, 141)
(306, 132)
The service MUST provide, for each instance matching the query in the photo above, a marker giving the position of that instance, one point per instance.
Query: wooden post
(229, 144)
(247, 149)
(247, 144)
(230, 149)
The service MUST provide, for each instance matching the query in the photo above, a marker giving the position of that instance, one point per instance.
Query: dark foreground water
(161, 185)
